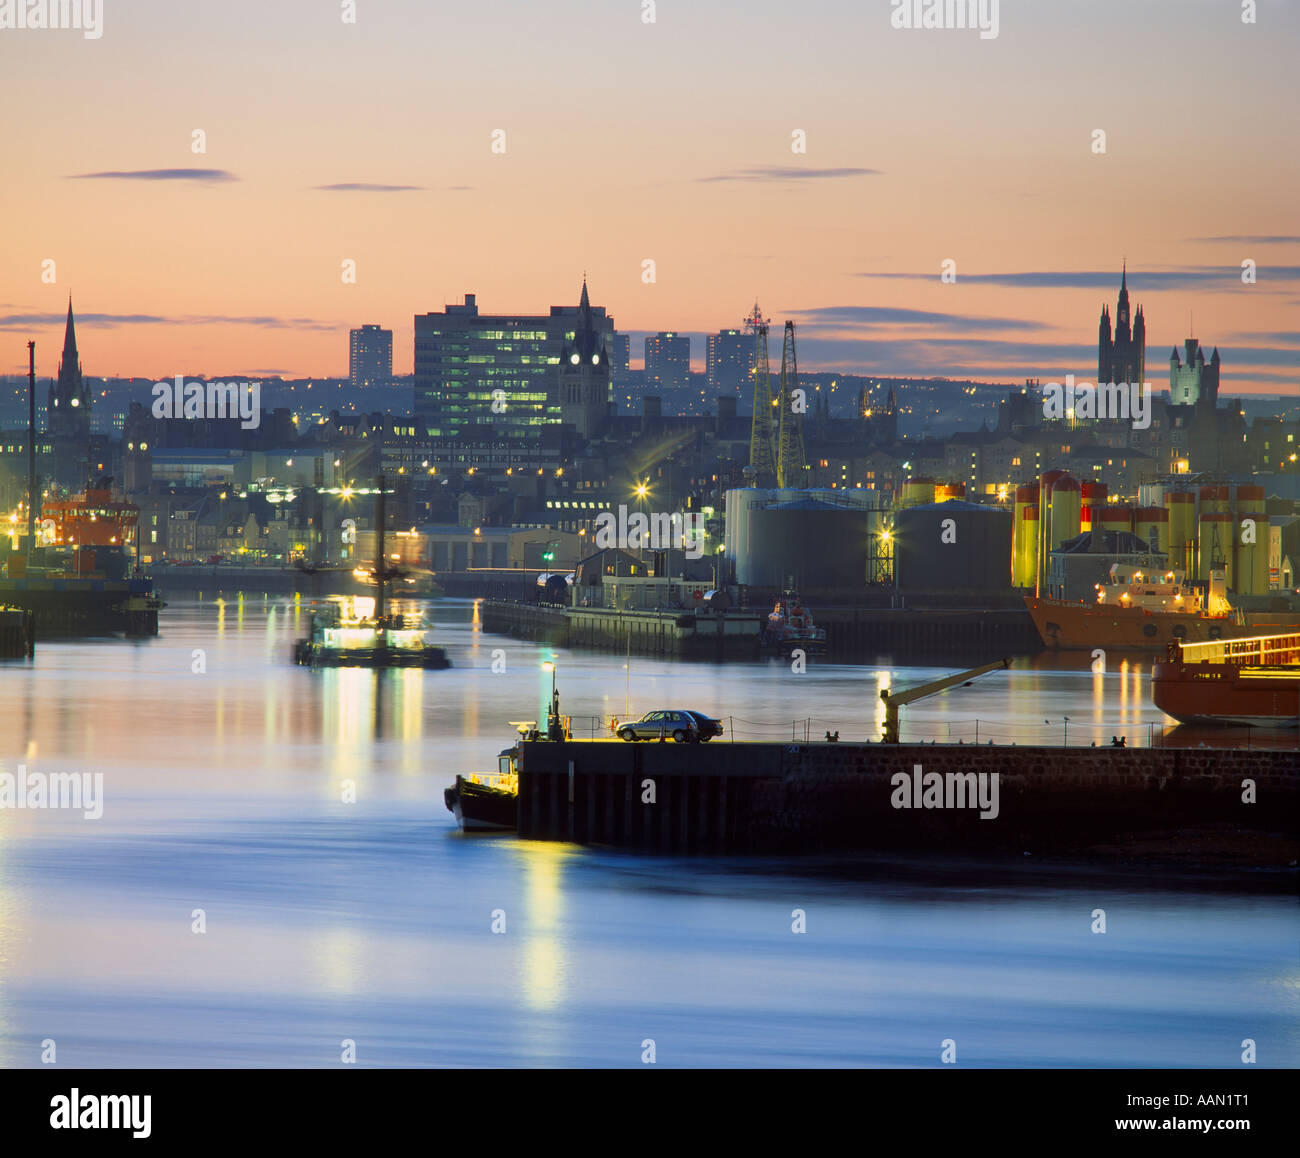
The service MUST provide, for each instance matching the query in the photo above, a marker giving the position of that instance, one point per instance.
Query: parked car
(673, 725)
(707, 726)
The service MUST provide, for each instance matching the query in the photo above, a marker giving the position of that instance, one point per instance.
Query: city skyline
(920, 149)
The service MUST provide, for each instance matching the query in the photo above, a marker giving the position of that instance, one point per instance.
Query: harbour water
(225, 772)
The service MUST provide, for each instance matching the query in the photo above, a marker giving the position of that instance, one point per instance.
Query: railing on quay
(1061, 732)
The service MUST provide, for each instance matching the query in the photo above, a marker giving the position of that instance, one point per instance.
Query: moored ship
(345, 632)
(486, 801)
(358, 631)
(790, 624)
(1139, 609)
(1251, 681)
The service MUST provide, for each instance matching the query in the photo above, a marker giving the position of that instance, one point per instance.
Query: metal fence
(1061, 732)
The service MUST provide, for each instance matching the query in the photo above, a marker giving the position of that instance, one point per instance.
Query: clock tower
(584, 376)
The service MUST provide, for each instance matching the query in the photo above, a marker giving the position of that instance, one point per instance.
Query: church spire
(70, 337)
(585, 303)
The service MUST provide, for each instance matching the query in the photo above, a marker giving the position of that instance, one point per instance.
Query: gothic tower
(584, 376)
(1122, 358)
(1195, 382)
(67, 415)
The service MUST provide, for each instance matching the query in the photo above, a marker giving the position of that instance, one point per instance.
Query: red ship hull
(1225, 693)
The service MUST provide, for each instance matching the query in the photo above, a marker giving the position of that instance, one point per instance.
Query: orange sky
(672, 142)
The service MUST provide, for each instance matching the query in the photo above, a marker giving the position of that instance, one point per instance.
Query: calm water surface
(372, 921)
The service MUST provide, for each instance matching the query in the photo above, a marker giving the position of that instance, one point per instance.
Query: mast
(380, 575)
(31, 450)
(762, 456)
(790, 450)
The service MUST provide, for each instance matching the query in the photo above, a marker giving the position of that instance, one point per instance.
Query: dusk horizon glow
(669, 142)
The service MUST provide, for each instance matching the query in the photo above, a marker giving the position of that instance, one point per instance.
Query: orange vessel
(97, 528)
(1138, 609)
(93, 519)
(1253, 681)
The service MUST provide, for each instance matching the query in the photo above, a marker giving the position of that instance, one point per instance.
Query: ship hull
(1222, 693)
(482, 808)
(1082, 627)
(309, 654)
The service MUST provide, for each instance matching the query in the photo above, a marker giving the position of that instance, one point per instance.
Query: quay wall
(673, 634)
(17, 633)
(814, 797)
(70, 607)
(849, 631)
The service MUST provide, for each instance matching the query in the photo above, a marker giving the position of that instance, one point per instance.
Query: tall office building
(496, 371)
(620, 356)
(667, 360)
(729, 358)
(370, 356)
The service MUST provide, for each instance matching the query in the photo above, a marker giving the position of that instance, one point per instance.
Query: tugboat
(486, 801)
(790, 625)
(356, 631)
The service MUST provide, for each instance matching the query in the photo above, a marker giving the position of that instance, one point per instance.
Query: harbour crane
(896, 700)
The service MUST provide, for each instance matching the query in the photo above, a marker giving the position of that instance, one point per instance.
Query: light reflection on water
(373, 921)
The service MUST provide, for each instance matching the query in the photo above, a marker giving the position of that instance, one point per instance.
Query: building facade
(494, 373)
(370, 356)
(729, 359)
(667, 361)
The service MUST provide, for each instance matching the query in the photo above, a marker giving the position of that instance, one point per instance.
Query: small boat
(345, 632)
(790, 625)
(486, 801)
(357, 631)
(1253, 682)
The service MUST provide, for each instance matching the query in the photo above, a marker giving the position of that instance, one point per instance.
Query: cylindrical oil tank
(1091, 495)
(1045, 484)
(1065, 510)
(1181, 506)
(740, 501)
(1250, 538)
(945, 491)
(1029, 543)
(1151, 525)
(807, 544)
(953, 546)
(1214, 542)
(1214, 500)
(1116, 518)
(916, 492)
(1022, 551)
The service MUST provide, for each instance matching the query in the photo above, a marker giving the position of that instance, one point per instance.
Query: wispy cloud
(1151, 280)
(366, 187)
(156, 175)
(1253, 239)
(866, 317)
(112, 321)
(788, 173)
